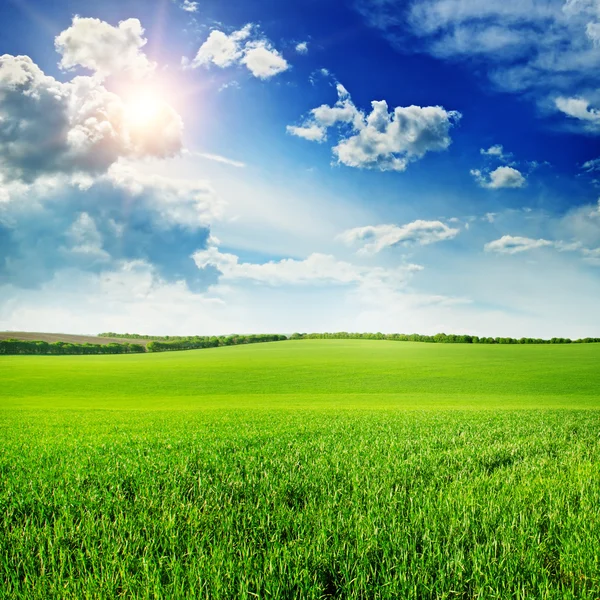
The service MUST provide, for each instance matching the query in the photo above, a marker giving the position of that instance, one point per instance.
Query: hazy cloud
(189, 6)
(316, 269)
(99, 225)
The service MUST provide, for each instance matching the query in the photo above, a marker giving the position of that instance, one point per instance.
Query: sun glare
(143, 108)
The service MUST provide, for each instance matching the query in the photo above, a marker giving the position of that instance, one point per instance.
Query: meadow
(303, 469)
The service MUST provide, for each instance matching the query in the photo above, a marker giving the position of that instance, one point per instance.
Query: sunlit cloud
(246, 47)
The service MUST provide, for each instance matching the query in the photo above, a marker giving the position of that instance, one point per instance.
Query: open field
(32, 336)
(309, 469)
(312, 374)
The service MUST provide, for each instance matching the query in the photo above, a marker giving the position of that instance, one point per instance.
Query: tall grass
(299, 504)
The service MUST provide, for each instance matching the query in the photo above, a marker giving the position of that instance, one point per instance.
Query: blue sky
(375, 165)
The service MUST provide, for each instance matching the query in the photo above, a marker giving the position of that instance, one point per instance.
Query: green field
(312, 374)
(305, 469)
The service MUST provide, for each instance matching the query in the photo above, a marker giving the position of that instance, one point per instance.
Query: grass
(310, 469)
(312, 374)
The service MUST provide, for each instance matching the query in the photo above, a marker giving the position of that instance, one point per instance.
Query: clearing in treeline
(303, 469)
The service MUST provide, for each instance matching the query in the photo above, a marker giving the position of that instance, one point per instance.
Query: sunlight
(143, 108)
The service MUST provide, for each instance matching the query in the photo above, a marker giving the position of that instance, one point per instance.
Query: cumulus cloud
(104, 49)
(542, 49)
(262, 60)
(382, 140)
(222, 49)
(51, 127)
(502, 177)
(100, 224)
(316, 269)
(302, 47)
(245, 47)
(378, 237)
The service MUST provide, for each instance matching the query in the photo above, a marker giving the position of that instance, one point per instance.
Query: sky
(174, 167)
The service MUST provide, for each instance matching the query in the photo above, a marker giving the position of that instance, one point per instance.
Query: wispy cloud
(377, 237)
(545, 49)
(222, 159)
(315, 269)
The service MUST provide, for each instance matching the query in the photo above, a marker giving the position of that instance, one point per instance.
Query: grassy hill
(308, 470)
(313, 374)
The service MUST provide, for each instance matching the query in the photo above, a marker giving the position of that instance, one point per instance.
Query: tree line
(438, 338)
(192, 343)
(170, 343)
(160, 344)
(12, 346)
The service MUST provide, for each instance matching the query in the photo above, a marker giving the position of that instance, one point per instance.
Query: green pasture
(312, 374)
(303, 470)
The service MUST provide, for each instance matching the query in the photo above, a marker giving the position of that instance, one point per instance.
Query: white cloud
(543, 49)
(378, 237)
(189, 6)
(496, 152)
(302, 47)
(380, 140)
(509, 244)
(579, 108)
(313, 132)
(316, 269)
(51, 127)
(104, 49)
(221, 49)
(241, 47)
(502, 177)
(262, 60)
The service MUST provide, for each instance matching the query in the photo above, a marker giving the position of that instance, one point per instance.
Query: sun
(143, 108)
